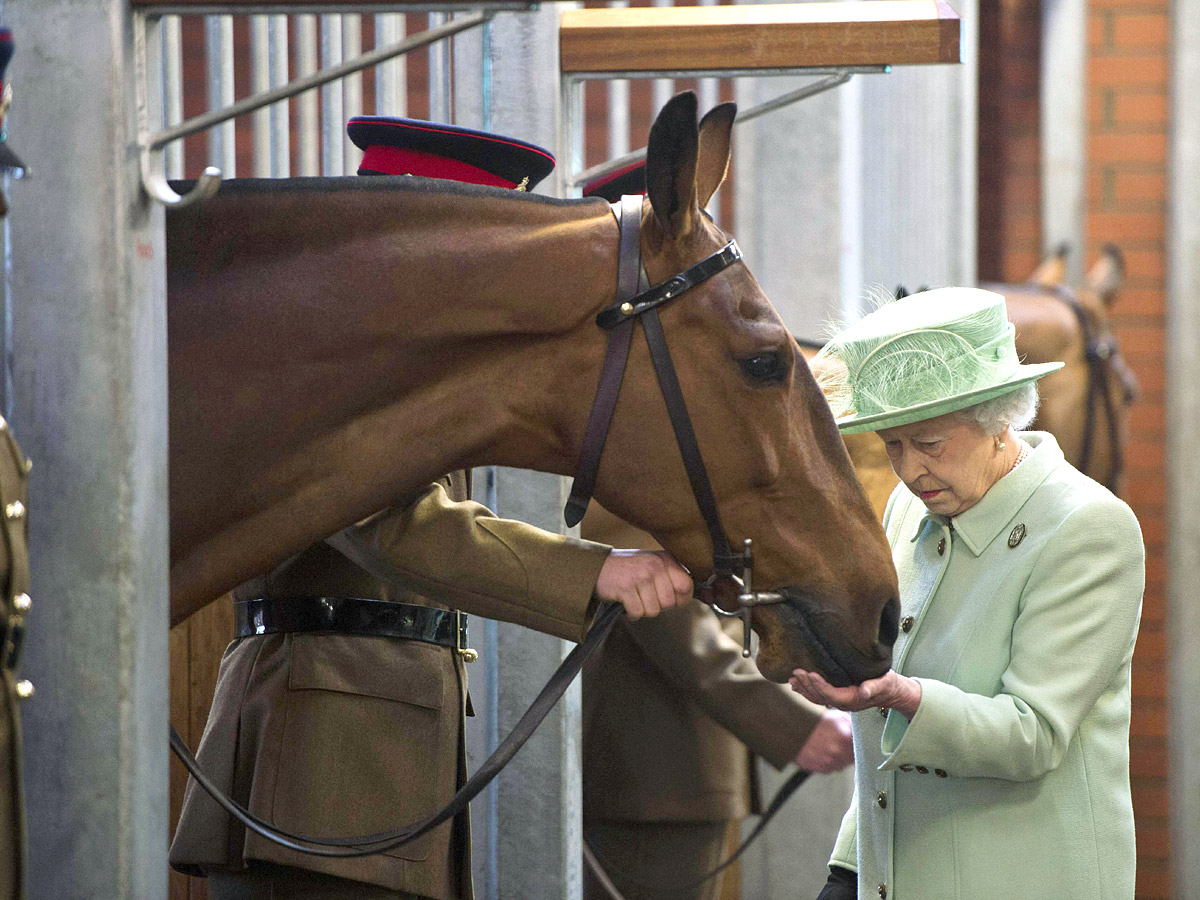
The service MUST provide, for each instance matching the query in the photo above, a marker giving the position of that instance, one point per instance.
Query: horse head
(779, 469)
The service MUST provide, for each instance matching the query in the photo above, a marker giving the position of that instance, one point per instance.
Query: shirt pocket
(362, 738)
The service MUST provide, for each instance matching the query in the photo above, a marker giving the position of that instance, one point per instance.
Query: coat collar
(983, 522)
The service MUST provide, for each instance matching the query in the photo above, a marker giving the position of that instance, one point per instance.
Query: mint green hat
(923, 356)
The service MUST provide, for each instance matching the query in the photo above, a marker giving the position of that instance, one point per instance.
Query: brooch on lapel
(1017, 535)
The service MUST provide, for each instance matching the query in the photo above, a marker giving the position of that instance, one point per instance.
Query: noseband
(636, 301)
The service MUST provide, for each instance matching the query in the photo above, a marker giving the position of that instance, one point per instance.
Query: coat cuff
(911, 744)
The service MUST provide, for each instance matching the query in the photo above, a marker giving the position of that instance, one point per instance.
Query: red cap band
(398, 161)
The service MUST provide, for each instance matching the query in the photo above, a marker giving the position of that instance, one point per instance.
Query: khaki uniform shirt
(336, 735)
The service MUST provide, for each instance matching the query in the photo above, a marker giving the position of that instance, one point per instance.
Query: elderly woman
(992, 762)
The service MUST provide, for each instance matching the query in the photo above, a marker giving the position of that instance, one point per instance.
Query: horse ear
(1053, 269)
(671, 156)
(713, 164)
(1107, 274)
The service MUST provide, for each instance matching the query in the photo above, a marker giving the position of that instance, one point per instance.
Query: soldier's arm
(461, 554)
(689, 647)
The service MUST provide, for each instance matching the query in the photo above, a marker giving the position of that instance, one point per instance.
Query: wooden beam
(759, 36)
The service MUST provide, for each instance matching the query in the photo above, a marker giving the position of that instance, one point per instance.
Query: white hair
(1016, 408)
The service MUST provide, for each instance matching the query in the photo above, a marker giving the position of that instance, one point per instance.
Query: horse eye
(768, 367)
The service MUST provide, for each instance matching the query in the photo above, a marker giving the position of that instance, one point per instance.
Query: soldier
(328, 728)
(14, 564)
(671, 715)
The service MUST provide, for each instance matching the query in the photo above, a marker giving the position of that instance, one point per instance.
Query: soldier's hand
(645, 582)
(830, 747)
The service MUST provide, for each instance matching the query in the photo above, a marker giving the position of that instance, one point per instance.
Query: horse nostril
(889, 623)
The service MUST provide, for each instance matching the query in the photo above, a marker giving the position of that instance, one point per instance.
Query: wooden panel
(196, 647)
(759, 36)
(180, 717)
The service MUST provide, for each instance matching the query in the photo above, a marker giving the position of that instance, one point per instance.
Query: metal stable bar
(834, 79)
(172, 32)
(441, 103)
(281, 131)
(260, 83)
(218, 49)
(328, 9)
(308, 117)
(391, 78)
(352, 91)
(664, 88)
(618, 107)
(332, 157)
(200, 123)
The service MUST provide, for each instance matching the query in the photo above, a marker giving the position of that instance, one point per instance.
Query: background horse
(1085, 405)
(336, 344)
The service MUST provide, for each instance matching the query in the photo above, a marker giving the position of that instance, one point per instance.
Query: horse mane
(235, 187)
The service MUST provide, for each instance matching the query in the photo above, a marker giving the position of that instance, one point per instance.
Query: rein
(730, 570)
(1100, 355)
(735, 569)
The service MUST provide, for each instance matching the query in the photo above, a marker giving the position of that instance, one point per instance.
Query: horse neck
(332, 355)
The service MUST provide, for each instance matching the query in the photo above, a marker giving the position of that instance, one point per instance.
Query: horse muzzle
(810, 633)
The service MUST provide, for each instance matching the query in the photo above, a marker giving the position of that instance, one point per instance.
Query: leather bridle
(1101, 355)
(731, 575)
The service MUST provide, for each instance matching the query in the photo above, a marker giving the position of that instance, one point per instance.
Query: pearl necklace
(1022, 455)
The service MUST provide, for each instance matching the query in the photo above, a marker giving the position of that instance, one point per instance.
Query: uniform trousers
(267, 881)
(659, 860)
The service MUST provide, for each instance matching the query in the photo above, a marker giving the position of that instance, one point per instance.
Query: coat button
(941, 547)
(941, 773)
(922, 770)
(905, 767)
(22, 603)
(881, 799)
(15, 510)
(906, 624)
(883, 892)
(24, 690)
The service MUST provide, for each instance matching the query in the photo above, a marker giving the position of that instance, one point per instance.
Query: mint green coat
(1018, 617)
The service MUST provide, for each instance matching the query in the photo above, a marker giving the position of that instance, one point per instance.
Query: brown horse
(336, 344)
(1085, 405)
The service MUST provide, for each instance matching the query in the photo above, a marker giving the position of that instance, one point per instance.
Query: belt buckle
(460, 627)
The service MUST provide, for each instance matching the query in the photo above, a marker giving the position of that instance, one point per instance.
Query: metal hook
(154, 182)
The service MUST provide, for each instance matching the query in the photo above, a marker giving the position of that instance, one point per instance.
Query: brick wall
(1127, 148)
(1126, 183)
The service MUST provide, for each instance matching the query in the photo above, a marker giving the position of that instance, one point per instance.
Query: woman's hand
(892, 690)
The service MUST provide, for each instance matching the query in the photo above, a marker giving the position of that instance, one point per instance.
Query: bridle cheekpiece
(728, 590)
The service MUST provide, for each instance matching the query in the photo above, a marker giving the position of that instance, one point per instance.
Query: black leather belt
(349, 615)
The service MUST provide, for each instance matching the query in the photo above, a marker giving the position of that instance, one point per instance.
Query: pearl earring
(1000, 445)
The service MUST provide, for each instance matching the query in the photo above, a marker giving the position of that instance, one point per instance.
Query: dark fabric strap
(350, 615)
(381, 842)
(614, 315)
(685, 436)
(612, 372)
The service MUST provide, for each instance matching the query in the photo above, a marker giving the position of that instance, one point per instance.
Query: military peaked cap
(433, 150)
(629, 180)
